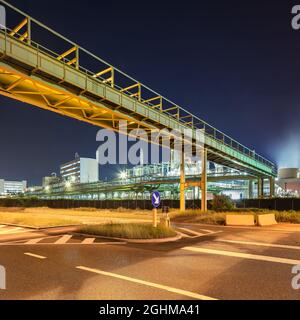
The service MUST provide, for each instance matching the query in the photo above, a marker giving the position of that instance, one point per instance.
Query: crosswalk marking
(197, 234)
(243, 255)
(61, 240)
(34, 241)
(208, 231)
(64, 239)
(184, 235)
(88, 241)
(189, 233)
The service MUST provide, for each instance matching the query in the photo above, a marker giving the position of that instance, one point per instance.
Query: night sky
(235, 64)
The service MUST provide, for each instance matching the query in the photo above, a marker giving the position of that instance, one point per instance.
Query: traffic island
(131, 232)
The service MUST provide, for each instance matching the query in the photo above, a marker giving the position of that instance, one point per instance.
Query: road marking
(14, 230)
(149, 284)
(88, 241)
(243, 255)
(34, 255)
(274, 245)
(243, 227)
(183, 235)
(191, 231)
(34, 241)
(64, 239)
(210, 231)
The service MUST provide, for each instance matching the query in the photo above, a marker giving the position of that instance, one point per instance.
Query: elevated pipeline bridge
(57, 81)
(138, 184)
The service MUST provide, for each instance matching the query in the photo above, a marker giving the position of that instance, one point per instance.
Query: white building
(12, 187)
(289, 182)
(80, 170)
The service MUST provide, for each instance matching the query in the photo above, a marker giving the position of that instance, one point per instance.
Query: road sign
(155, 198)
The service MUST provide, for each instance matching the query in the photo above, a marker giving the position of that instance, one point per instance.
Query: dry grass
(219, 218)
(34, 220)
(43, 217)
(129, 231)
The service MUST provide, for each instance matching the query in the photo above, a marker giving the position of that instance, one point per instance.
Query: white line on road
(209, 231)
(34, 241)
(262, 244)
(243, 255)
(191, 231)
(88, 241)
(34, 255)
(149, 284)
(64, 239)
(183, 235)
(13, 230)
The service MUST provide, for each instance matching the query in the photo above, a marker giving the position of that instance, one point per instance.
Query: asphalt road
(209, 263)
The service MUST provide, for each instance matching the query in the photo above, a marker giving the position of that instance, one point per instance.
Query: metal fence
(279, 204)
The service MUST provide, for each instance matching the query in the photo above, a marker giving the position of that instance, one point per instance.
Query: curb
(141, 241)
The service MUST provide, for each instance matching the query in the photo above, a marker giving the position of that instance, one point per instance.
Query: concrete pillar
(182, 182)
(204, 180)
(250, 189)
(260, 188)
(272, 187)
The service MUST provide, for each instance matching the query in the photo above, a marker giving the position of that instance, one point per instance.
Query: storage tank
(288, 173)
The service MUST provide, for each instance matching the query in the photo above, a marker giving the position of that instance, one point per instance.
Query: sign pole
(154, 218)
(155, 199)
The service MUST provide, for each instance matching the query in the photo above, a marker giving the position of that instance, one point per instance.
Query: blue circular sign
(155, 198)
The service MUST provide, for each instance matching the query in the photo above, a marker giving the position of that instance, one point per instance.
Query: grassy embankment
(47, 217)
(219, 217)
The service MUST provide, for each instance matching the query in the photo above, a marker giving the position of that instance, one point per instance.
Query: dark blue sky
(236, 64)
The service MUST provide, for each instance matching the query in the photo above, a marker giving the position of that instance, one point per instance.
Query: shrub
(222, 203)
(128, 231)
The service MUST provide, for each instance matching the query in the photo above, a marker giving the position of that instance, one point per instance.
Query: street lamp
(123, 175)
(68, 184)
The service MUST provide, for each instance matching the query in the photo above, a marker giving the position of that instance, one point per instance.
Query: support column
(29, 30)
(204, 180)
(260, 187)
(182, 182)
(272, 187)
(250, 189)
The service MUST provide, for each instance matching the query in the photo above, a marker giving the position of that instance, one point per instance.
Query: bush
(222, 203)
(128, 231)
(287, 216)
